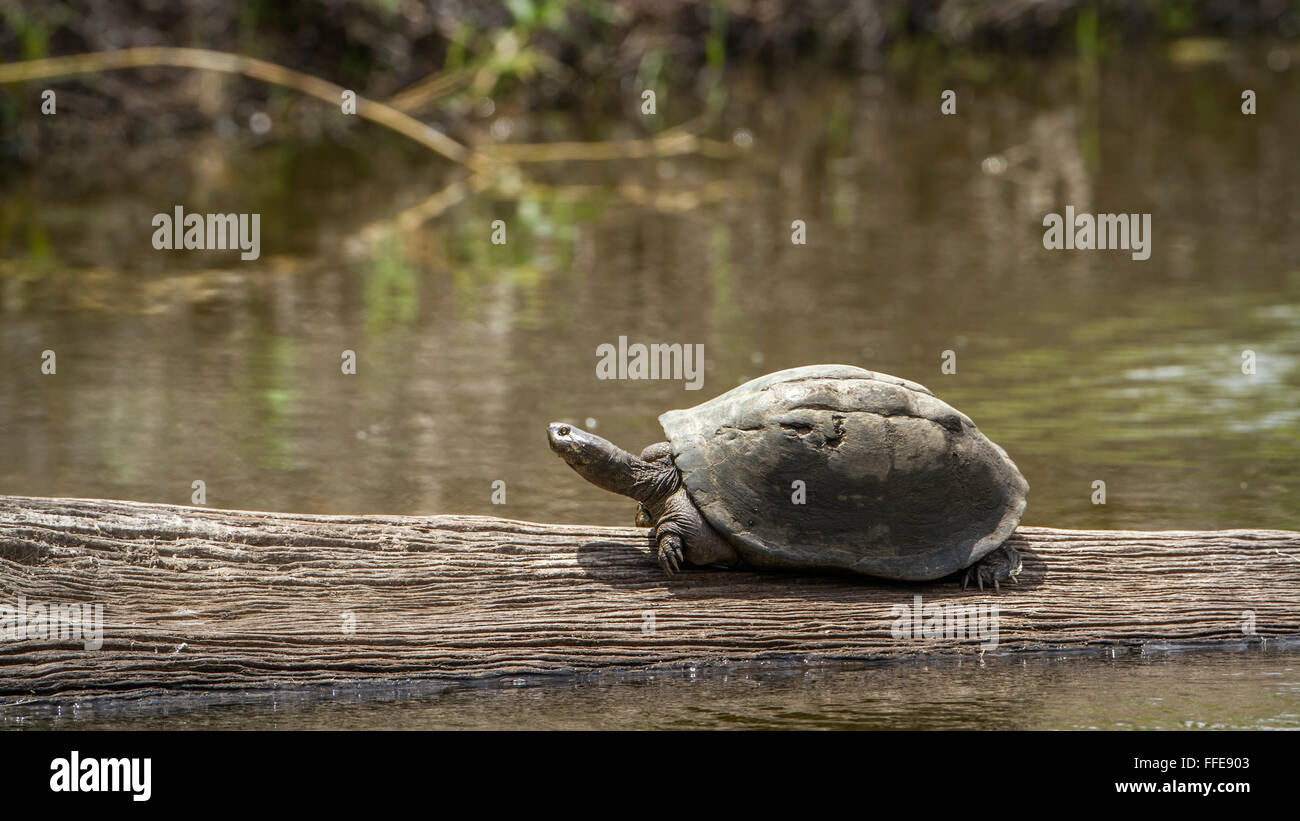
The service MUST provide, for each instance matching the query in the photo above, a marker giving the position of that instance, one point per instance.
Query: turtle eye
(564, 430)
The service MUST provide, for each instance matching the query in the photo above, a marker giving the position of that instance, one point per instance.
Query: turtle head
(579, 448)
(603, 463)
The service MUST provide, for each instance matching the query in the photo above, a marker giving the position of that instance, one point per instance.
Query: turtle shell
(897, 483)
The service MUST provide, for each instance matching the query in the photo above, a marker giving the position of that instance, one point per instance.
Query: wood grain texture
(206, 600)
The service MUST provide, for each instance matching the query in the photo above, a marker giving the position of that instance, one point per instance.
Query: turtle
(822, 468)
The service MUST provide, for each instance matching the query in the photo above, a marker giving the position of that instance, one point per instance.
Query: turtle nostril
(564, 430)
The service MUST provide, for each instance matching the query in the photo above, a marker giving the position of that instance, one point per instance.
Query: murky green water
(1250, 689)
(1085, 366)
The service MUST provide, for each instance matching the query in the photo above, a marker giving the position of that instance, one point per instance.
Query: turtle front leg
(684, 537)
(1002, 564)
(643, 518)
(670, 553)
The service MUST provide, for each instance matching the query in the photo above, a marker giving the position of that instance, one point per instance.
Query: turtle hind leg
(1001, 565)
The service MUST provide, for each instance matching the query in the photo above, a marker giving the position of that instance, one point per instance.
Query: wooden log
(204, 600)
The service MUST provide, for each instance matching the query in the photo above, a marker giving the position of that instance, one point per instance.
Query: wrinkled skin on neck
(606, 465)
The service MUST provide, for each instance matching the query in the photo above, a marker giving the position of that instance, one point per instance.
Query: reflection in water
(1084, 366)
(1244, 690)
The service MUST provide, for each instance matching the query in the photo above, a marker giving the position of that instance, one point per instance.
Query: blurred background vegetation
(443, 61)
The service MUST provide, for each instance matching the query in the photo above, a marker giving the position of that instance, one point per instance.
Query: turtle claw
(670, 554)
(669, 562)
(972, 572)
(1001, 565)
